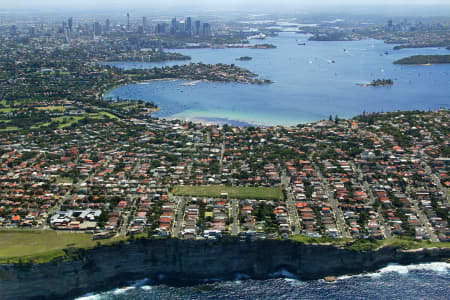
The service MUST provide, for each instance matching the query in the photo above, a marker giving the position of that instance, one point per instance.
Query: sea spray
(438, 267)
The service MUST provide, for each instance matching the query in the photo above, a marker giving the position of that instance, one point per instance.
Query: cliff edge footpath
(184, 262)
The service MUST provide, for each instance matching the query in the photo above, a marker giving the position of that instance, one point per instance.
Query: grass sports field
(260, 193)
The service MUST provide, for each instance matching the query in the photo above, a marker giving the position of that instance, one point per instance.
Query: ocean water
(310, 83)
(420, 281)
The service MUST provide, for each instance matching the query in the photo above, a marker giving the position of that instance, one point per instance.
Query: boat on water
(301, 44)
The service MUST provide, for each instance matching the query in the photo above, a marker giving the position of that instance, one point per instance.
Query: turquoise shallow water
(307, 86)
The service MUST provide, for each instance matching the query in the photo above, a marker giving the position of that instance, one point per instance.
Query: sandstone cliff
(187, 261)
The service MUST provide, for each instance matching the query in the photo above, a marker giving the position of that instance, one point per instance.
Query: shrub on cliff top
(363, 245)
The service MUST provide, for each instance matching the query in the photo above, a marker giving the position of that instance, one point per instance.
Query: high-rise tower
(144, 24)
(197, 27)
(97, 29)
(70, 23)
(14, 30)
(173, 29)
(188, 25)
(107, 25)
(206, 30)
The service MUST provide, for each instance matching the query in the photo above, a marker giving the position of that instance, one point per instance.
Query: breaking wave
(118, 291)
(438, 267)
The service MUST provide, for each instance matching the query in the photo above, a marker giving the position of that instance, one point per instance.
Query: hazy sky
(421, 8)
(207, 4)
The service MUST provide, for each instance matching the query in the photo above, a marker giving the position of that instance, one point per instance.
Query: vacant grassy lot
(51, 108)
(323, 240)
(61, 179)
(260, 193)
(103, 114)
(42, 245)
(408, 243)
(7, 110)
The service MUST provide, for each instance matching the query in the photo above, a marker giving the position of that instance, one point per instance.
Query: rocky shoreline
(189, 262)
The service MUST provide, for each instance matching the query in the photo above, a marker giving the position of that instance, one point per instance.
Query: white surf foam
(123, 290)
(438, 267)
(89, 296)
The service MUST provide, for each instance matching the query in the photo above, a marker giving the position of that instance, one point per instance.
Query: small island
(378, 82)
(244, 58)
(264, 46)
(424, 60)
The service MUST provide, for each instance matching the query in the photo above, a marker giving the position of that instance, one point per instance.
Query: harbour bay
(311, 82)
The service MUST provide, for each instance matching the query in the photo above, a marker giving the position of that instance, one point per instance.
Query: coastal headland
(188, 262)
(196, 72)
(425, 60)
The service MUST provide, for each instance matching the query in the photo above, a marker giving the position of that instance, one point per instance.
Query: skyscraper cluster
(185, 28)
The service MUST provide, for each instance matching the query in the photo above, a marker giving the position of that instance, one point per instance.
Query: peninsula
(199, 71)
(145, 56)
(401, 33)
(424, 60)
